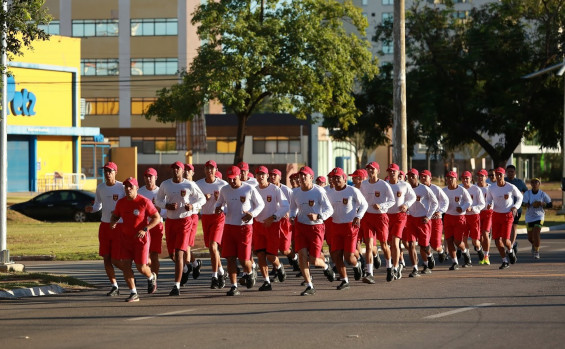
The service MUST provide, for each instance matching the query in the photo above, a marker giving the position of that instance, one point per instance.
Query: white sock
(151, 277)
(133, 290)
(221, 270)
(280, 266)
(370, 268)
(346, 279)
(215, 275)
(177, 284)
(185, 268)
(455, 260)
(115, 285)
(195, 263)
(426, 262)
(311, 284)
(267, 280)
(389, 263)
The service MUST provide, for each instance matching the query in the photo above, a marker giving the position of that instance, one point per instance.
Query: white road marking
(451, 312)
(160, 315)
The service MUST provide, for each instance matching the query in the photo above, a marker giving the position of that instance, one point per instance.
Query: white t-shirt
(403, 195)
(504, 198)
(425, 204)
(442, 199)
(240, 200)
(380, 193)
(106, 199)
(151, 195)
(458, 197)
(535, 213)
(185, 192)
(477, 200)
(211, 192)
(315, 201)
(275, 201)
(347, 204)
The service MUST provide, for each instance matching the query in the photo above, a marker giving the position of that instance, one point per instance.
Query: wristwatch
(145, 229)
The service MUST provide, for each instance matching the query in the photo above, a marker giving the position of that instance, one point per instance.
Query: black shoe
(152, 284)
(295, 265)
(222, 280)
(329, 274)
(363, 263)
(414, 273)
(515, 247)
(184, 277)
(512, 257)
(334, 268)
(309, 291)
(431, 262)
(481, 254)
(133, 297)
(281, 274)
(266, 287)
(369, 279)
(357, 272)
(504, 265)
(174, 292)
(426, 270)
(399, 271)
(467, 265)
(377, 261)
(249, 281)
(454, 266)
(343, 286)
(467, 257)
(442, 256)
(113, 292)
(233, 291)
(196, 269)
(299, 275)
(389, 274)
(458, 253)
(254, 271)
(215, 283)
(273, 272)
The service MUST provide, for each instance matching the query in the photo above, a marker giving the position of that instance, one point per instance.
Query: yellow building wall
(54, 154)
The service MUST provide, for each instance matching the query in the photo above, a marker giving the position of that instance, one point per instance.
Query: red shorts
(376, 227)
(396, 224)
(135, 248)
(436, 229)
(502, 225)
(193, 229)
(486, 220)
(310, 237)
(473, 222)
(109, 240)
(266, 238)
(417, 230)
(156, 234)
(236, 241)
(177, 233)
(285, 234)
(454, 226)
(213, 228)
(328, 225)
(344, 237)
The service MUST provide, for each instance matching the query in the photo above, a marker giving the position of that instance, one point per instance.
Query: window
(140, 105)
(388, 2)
(365, 2)
(51, 28)
(154, 66)
(388, 49)
(388, 16)
(220, 145)
(460, 14)
(102, 106)
(154, 26)
(154, 145)
(95, 27)
(98, 67)
(276, 145)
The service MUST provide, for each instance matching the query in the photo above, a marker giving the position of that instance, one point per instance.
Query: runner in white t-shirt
(535, 200)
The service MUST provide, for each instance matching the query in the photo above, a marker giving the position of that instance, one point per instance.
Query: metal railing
(57, 180)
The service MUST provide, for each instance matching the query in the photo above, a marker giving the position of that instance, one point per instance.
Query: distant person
(321, 181)
(491, 177)
(246, 176)
(194, 265)
(485, 216)
(107, 195)
(473, 215)
(535, 200)
(436, 223)
(518, 183)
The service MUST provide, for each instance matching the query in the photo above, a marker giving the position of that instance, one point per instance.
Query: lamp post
(561, 67)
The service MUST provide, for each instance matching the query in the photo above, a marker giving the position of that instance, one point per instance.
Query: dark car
(59, 205)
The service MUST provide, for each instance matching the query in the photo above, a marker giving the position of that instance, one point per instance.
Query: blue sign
(20, 102)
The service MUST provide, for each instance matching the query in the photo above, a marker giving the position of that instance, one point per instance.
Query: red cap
(500, 170)
(250, 175)
(466, 174)
(211, 163)
(365, 173)
(188, 167)
(357, 173)
(306, 170)
(178, 164)
(294, 175)
(275, 171)
(482, 172)
(451, 174)
(151, 172)
(372, 164)
(233, 172)
(131, 182)
(261, 169)
(219, 174)
(426, 173)
(321, 179)
(338, 172)
(243, 166)
(112, 166)
(414, 172)
(393, 167)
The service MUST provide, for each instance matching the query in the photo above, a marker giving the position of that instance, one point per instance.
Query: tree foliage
(295, 53)
(464, 78)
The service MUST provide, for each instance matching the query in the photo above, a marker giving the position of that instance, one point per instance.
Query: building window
(388, 16)
(53, 28)
(154, 26)
(388, 48)
(276, 145)
(220, 145)
(102, 106)
(460, 14)
(154, 145)
(154, 66)
(99, 67)
(140, 105)
(365, 2)
(388, 2)
(95, 27)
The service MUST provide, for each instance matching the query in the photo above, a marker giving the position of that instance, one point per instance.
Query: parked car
(59, 205)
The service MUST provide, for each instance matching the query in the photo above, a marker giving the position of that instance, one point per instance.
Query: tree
(22, 21)
(295, 53)
(464, 80)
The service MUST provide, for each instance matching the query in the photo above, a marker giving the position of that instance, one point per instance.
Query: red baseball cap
(466, 174)
(131, 182)
(233, 172)
(306, 170)
(500, 170)
(451, 174)
(294, 175)
(372, 164)
(338, 172)
(243, 166)
(178, 164)
(275, 171)
(357, 173)
(188, 167)
(482, 172)
(414, 172)
(261, 169)
(365, 173)
(250, 175)
(151, 172)
(393, 167)
(426, 173)
(219, 174)
(112, 166)
(211, 163)
(321, 179)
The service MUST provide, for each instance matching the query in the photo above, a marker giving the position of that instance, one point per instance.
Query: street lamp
(560, 72)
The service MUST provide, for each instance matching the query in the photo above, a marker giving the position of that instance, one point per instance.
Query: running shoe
(426, 270)
(196, 269)
(536, 255)
(266, 287)
(389, 275)
(512, 257)
(431, 262)
(215, 283)
(414, 273)
(329, 273)
(377, 261)
(133, 297)
(454, 266)
(369, 279)
(233, 291)
(281, 274)
(113, 292)
(152, 284)
(442, 256)
(486, 260)
(504, 265)
(309, 291)
(357, 272)
(174, 292)
(481, 254)
(343, 286)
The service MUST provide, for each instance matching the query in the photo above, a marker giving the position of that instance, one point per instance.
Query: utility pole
(399, 134)
(4, 253)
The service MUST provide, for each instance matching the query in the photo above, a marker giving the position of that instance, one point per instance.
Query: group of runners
(242, 216)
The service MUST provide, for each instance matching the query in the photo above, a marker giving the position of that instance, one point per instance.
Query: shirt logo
(457, 199)
(216, 194)
(115, 197)
(208, 196)
(183, 193)
(377, 194)
(269, 198)
(506, 196)
(418, 198)
(398, 193)
(311, 203)
(242, 199)
(136, 212)
(345, 201)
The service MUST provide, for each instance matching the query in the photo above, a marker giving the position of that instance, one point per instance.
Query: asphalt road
(479, 307)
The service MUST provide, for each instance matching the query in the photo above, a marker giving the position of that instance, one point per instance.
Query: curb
(543, 229)
(32, 292)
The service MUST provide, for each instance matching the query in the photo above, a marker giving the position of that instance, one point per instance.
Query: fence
(57, 180)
